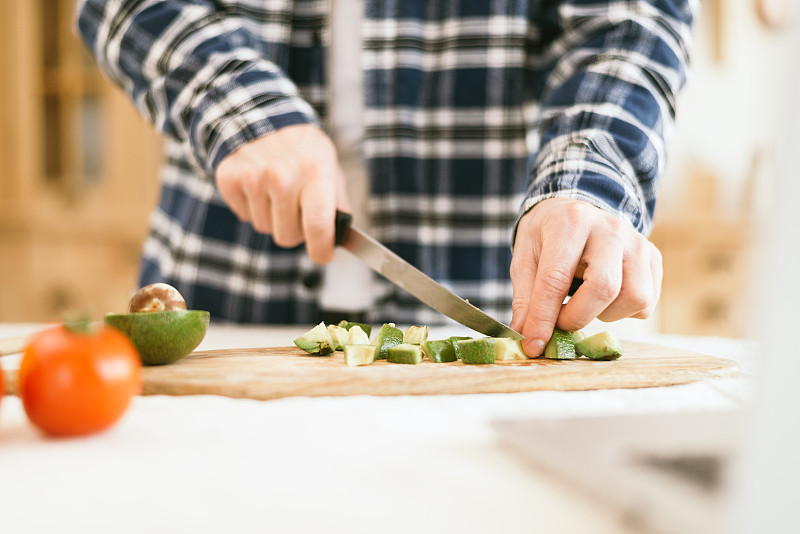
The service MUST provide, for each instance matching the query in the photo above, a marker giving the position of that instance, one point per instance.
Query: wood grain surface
(272, 373)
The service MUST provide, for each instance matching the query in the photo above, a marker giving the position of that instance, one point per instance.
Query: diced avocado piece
(415, 335)
(560, 346)
(439, 351)
(404, 353)
(338, 336)
(476, 351)
(508, 349)
(359, 354)
(454, 341)
(316, 341)
(602, 346)
(578, 335)
(387, 336)
(357, 336)
(347, 325)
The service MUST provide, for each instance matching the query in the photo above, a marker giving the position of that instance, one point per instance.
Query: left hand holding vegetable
(560, 239)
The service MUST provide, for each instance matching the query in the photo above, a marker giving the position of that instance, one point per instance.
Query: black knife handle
(343, 221)
(576, 283)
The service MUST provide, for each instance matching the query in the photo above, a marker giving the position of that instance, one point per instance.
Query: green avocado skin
(602, 346)
(388, 336)
(476, 351)
(347, 325)
(404, 353)
(162, 337)
(454, 341)
(560, 346)
(439, 351)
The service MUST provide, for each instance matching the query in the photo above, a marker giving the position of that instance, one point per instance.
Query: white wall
(730, 108)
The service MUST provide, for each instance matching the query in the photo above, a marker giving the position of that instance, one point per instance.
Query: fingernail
(533, 348)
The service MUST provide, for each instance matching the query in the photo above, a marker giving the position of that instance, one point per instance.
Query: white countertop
(349, 464)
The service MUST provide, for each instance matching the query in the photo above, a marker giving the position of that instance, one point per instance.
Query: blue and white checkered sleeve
(199, 74)
(608, 77)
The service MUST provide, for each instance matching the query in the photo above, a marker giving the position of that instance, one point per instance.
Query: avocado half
(162, 337)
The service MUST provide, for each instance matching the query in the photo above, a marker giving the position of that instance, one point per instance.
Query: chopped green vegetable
(347, 325)
(454, 341)
(316, 341)
(404, 353)
(476, 351)
(359, 355)
(387, 336)
(415, 335)
(560, 346)
(439, 351)
(357, 336)
(508, 349)
(578, 335)
(602, 346)
(338, 336)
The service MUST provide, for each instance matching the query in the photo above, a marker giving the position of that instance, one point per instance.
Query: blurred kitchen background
(78, 169)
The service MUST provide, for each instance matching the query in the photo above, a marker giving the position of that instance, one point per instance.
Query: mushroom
(156, 297)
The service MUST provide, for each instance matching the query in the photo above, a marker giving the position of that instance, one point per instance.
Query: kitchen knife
(397, 270)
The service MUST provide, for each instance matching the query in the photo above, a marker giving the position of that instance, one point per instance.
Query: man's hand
(563, 238)
(288, 184)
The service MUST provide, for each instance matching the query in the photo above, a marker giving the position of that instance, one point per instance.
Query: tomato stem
(78, 324)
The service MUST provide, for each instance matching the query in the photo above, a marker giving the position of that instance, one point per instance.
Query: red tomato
(74, 383)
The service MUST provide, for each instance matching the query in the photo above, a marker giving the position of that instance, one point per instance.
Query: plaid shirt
(474, 112)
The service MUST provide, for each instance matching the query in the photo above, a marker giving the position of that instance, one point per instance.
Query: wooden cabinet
(78, 172)
(706, 264)
(706, 276)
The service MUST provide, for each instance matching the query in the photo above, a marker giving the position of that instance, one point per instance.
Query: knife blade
(397, 270)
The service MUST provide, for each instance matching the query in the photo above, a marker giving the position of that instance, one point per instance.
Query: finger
(657, 270)
(602, 280)
(523, 271)
(260, 210)
(287, 230)
(637, 294)
(342, 199)
(230, 189)
(318, 212)
(237, 202)
(561, 252)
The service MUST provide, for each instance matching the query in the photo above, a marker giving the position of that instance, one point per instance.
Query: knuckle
(252, 180)
(279, 182)
(565, 208)
(311, 166)
(225, 180)
(273, 179)
(556, 280)
(657, 259)
(519, 304)
(637, 300)
(605, 288)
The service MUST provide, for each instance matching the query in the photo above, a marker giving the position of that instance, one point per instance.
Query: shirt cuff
(578, 170)
(250, 105)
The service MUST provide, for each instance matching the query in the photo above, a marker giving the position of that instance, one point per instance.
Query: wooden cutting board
(272, 373)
